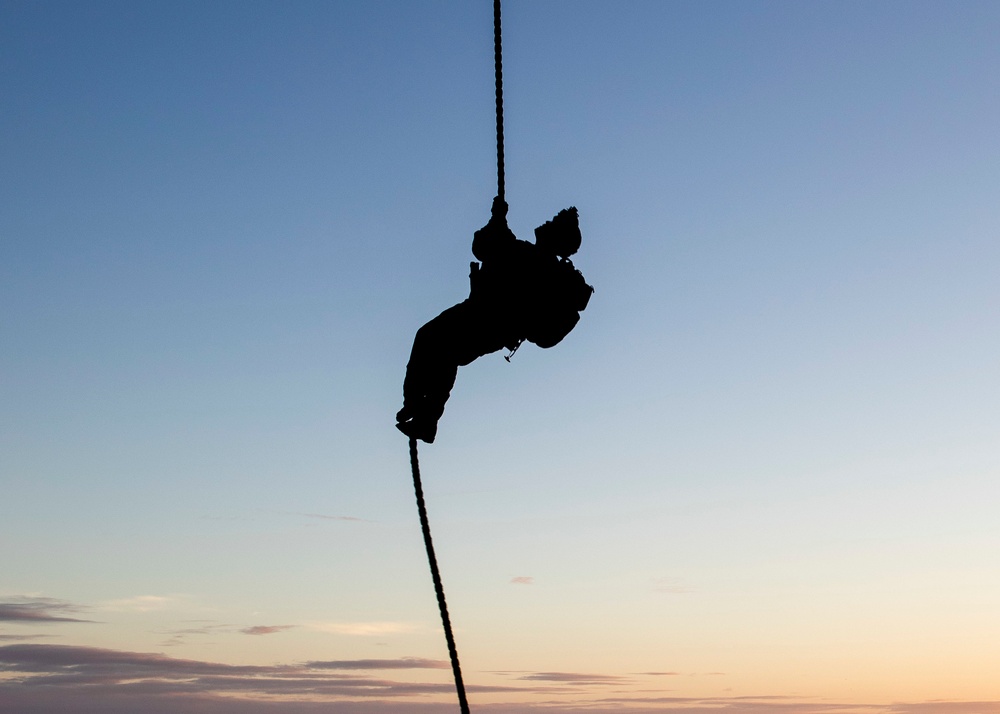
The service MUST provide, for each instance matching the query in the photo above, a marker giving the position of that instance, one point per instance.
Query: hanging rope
(414, 462)
(436, 575)
(498, 68)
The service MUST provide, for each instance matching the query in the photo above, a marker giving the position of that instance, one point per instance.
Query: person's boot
(419, 428)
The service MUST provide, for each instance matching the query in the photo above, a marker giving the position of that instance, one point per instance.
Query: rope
(436, 574)
(414, 462)
(498, 67)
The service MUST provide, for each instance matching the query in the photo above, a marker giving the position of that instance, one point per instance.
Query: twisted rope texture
(436, 575)
(498, 67)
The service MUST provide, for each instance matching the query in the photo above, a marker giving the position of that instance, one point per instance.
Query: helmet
(561, 235)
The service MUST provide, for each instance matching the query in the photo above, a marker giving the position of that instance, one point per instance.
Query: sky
(759, 477)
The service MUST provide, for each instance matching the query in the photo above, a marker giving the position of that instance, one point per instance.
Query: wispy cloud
(324, 516)
(97, 669)
(67, 659)
(143, 603)
(60, 678)
(573, 678)
(522, 580)
(669, 585)
(21, 638)
(770, 704)
(364, 629)
(179, 636)
(207, 629)
(265, 629)
(944, 706)
(38, 610)
(405, 663)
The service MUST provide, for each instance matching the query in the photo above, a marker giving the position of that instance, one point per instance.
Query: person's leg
(431, 372)
(455, 337)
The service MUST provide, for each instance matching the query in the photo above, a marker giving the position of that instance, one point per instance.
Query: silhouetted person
(522, 291)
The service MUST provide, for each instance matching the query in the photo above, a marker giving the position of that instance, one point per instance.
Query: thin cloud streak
(669, 585)
(573, 678)
(364, 629)
(96, 669)
(404, 663)
(38, 610)
(179, 636)
(325, 516)
(946, 707)
(265, 629)
(69, 679)
(142, 603)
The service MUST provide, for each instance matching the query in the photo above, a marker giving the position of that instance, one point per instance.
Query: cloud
(21, 638)
(405, 663)
(364, 629)
(523, 580)
(40, 679)
(944, 706)
(141, 603)
(265, 629)
(324, 516)
(669, 585)
(179, 636)
(92, 669)
(573, 678)
(71, 659)
(200, 630)
(37, 610)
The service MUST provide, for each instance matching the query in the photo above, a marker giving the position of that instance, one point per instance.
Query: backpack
(562, 295)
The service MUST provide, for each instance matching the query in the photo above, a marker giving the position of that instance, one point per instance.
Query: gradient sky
(760, 477)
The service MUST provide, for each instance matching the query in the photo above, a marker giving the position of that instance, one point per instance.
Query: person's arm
(495, 235)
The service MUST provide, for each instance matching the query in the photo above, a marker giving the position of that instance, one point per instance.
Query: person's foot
(417, 428)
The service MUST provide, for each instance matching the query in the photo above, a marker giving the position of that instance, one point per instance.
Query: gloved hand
(499, 211)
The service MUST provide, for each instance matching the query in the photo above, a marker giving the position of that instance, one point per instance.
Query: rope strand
(498, 67)
(436, 575)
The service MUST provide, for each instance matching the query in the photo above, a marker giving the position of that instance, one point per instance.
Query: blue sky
(765, 462)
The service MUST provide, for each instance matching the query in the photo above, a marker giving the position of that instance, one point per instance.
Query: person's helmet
(561, 235)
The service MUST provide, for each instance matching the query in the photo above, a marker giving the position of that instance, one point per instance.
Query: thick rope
(414, 462)
(498, 67)
(436, 574)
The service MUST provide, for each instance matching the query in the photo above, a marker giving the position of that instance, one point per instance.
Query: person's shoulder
(491, 241)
